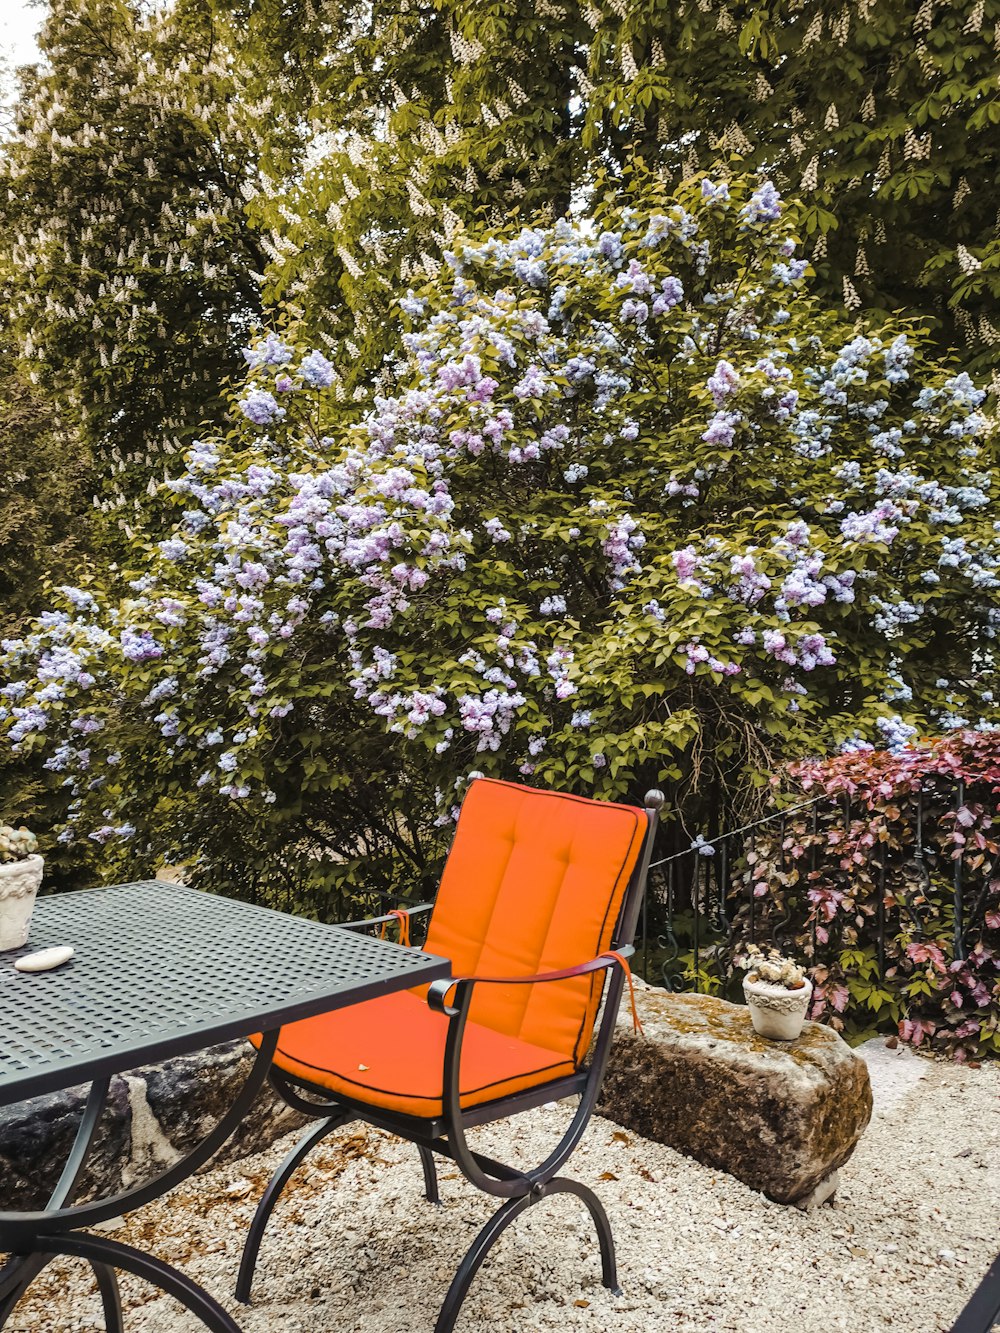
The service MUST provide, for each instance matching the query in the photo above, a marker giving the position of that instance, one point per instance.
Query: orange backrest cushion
(534, 882)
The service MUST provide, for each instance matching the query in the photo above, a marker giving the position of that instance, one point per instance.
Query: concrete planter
(19, 881)
(776, 1012)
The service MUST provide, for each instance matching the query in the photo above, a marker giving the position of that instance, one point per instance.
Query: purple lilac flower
(896, 733)
(317, 371)
(271, 351)
(714, 194)
(764, 204)
(261, 407)
(671, 294)
(723, 383)
(634, 312)
(687, 562)
(878, 525)
(141, 647)
(722, 428)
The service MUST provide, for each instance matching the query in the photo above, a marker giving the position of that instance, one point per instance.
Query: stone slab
(153, 1116)
(780, 1116)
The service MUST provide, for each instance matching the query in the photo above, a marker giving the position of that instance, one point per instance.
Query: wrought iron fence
(782, 880)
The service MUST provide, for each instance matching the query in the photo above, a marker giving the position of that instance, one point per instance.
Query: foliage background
(173, 178)
(638, 509)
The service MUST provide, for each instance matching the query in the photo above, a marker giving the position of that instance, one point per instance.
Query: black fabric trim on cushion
(413, 1096)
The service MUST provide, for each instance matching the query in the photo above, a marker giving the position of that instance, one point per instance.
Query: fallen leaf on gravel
(582, 1304)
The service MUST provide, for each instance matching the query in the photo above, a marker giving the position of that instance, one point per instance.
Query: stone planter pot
(19, 881)
(777, 1013)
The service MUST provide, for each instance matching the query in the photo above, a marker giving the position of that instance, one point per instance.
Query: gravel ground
(354, 1247)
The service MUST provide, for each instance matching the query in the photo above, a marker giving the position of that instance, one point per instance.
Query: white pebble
(45, 959)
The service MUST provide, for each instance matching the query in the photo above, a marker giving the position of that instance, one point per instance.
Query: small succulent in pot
(16, 844)
(772, 967)
(777, 992)
(20, 875)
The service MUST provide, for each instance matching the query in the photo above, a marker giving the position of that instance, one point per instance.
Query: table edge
(122, 1060)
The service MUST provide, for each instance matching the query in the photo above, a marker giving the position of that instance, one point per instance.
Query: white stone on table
(45, 959)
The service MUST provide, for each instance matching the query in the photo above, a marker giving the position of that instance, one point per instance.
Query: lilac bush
(632, 506)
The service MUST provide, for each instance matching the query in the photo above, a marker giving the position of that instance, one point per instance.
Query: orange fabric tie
(636, 1023)
(403, 917)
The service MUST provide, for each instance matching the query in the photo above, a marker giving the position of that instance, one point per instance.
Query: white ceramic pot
(19, 881)
(776, 1012)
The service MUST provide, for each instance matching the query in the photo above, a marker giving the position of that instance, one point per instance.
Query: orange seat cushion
(389, 1053)
(534, 883)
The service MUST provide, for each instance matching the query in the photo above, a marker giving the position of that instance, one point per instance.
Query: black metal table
(160, 970)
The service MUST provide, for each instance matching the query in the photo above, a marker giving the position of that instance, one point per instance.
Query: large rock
(780, 1116)
(152, 1117)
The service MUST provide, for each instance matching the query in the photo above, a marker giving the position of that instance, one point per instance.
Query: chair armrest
(417, 909)
(437, 991)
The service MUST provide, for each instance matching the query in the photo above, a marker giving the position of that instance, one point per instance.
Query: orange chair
(537, 905)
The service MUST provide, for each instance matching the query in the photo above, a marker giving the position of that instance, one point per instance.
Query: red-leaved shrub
(888, 883)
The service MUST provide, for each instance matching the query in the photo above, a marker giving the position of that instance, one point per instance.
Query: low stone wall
(153, 1116)
(782, 1117)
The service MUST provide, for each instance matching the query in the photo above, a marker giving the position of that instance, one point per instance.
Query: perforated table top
(161, 969)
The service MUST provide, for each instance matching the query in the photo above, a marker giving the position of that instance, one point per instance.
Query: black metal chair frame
(446, 1135)
(983, 1310)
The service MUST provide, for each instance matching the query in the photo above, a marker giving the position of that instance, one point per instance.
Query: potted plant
(777, 993)
(20, 876)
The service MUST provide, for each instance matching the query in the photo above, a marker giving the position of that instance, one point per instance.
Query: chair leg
(430, 1174)
(474, 1258)
(270, 1197)
(499, 1222)
(8, 1303)
(609, 1270)
(16, 1277)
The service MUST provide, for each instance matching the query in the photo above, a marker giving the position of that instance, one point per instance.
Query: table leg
(111, 1254)
(69, 1177)
(21, 1271)
(34, 1238)
(107, 1284)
